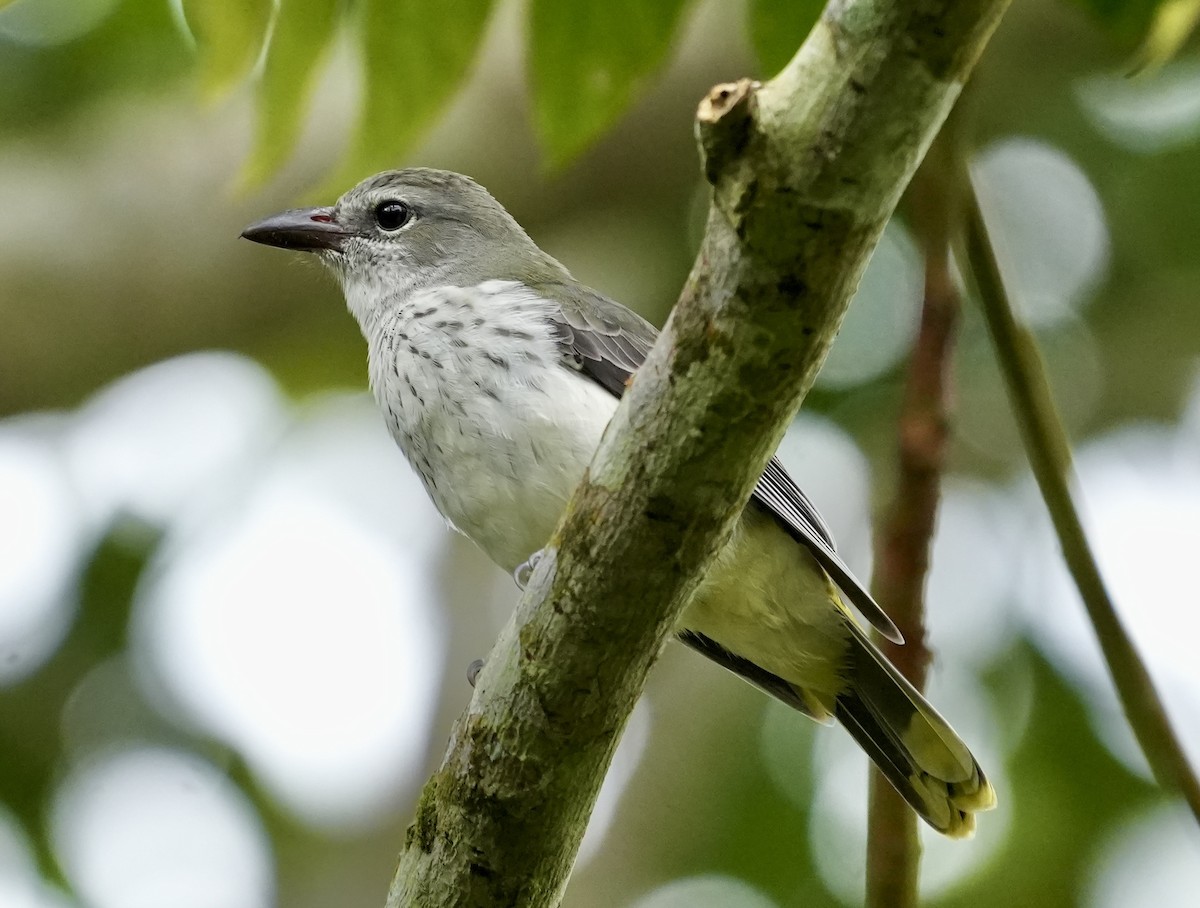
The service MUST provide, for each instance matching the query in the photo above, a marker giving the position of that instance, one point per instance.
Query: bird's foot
(526, 568)
(473, 671)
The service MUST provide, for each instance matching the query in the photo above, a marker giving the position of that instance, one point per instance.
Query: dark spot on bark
(791, 286)
(857, 87)
(659, 509)
(746, 199)
(481, 871)
(807, 330)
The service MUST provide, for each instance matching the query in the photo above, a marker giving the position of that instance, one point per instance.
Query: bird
(496, 372)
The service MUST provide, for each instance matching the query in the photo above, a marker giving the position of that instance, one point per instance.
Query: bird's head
(403, 231)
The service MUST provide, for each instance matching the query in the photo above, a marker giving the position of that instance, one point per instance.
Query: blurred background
(233, 632)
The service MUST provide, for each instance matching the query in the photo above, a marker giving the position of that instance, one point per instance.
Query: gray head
(406, 230)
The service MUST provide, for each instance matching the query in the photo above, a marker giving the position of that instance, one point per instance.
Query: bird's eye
(392, 215)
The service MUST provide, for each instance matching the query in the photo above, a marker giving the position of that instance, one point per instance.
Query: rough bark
(806, 169)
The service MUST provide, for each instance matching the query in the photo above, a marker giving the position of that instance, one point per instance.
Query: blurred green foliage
(304, 30)
(774, 25)
(415, 56)
(587, 62)
(136, 49)
(229, 36)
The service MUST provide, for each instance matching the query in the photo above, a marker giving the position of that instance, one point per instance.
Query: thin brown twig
(1049, 453)
(903, 541)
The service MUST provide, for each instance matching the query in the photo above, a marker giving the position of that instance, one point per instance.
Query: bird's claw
(473, 671)
(525, 569)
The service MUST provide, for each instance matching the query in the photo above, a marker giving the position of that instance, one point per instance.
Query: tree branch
(806, 169)
(903, 540)
(1049, 454)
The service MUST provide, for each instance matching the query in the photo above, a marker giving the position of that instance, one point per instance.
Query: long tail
(914, 747)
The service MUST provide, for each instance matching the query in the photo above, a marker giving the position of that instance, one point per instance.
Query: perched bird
(497, 371)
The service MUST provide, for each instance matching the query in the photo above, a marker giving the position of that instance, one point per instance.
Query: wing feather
(607, 342)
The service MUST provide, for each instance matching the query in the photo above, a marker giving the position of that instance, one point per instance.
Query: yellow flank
(767, 598)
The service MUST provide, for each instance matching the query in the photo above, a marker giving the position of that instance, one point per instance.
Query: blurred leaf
(138, 47)
(1125, 18)
(303, 32)
(31, 710)
(1174, 22)
(588, 60)
(778, 27)
(229, 35)
(416, 55)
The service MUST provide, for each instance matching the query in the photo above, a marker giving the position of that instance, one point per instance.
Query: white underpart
(472, 385)
(473, 388)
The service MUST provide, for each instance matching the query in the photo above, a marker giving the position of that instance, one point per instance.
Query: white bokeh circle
(1047, 224)
(148, 827)
(295, 618)
(706, 891)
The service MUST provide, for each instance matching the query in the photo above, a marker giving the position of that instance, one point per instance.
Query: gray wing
(607, 342)
(598, 337)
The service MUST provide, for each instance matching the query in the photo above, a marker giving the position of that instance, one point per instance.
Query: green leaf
(1159, 26)
(779, 27)
(303, 32)
(588, 60)
(229, 36)
(416, 55)
(1174, 22)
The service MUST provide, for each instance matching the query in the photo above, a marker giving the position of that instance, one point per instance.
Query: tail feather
(914, 747)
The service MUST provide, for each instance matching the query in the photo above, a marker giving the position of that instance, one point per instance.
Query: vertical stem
(903, 541)
(1049, 454)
